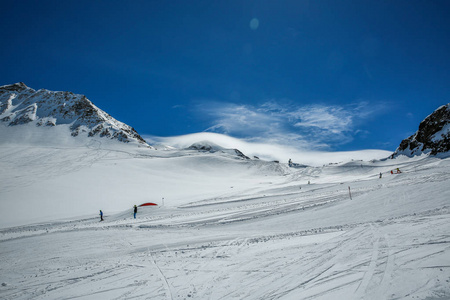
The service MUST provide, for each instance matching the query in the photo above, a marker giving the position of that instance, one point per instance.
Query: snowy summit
(20, 105)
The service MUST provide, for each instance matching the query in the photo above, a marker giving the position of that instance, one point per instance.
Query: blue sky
(323, 75)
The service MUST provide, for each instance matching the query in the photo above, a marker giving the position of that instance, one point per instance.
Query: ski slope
(225, 227)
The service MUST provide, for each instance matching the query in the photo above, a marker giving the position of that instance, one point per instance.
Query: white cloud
(238, 119)
(279, 130)
(333, 119)
(311, 127)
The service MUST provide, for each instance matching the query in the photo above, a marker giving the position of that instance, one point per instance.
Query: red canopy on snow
(148, 204)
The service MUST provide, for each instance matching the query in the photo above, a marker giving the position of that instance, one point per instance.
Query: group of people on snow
(134, 213)
(397, 171)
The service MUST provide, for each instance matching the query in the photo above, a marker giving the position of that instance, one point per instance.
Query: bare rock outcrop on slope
(433, 136)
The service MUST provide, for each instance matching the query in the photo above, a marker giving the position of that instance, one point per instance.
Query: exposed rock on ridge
(20, 105)
(432, 137)
(206, 146)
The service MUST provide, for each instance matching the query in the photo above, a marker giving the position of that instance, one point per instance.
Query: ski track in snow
(354, 261)
(277, 240)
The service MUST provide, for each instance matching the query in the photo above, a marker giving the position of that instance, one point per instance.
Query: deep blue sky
(336, 75)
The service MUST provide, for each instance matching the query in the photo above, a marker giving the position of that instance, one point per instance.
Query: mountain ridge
(433, 135)
(20, 104)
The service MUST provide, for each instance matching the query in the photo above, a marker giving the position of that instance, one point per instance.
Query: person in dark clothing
(101, 215)
(135, 211)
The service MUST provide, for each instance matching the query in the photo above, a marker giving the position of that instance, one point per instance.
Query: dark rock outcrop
(207, 146)
(433, 136)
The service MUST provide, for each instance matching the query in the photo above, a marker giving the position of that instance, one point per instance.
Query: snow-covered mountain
(224, 227)
(432, 137)
(21, 105)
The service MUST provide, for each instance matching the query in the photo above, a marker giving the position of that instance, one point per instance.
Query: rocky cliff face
(432, 137)
(20, 105)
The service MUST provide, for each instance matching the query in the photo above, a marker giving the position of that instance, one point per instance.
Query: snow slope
(227, 228)
(45, 182)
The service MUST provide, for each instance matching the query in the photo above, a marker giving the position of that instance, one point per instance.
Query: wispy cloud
(313, 127)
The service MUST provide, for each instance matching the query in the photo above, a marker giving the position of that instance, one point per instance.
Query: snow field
(384, 260)
(229, 229)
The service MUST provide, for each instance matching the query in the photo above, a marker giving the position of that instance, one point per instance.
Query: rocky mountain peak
(16, 87)
(433, 135)
(21, 105)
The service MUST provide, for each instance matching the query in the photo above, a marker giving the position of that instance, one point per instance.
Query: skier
(398, 171)
(101, 215)
(135, 211)
(381, 175)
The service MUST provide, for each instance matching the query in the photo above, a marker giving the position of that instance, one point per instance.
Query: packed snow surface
(225, 227)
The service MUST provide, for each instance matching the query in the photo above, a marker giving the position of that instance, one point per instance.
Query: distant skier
(135, 211)
(381, 175)
(398, 171)
(101, 215)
